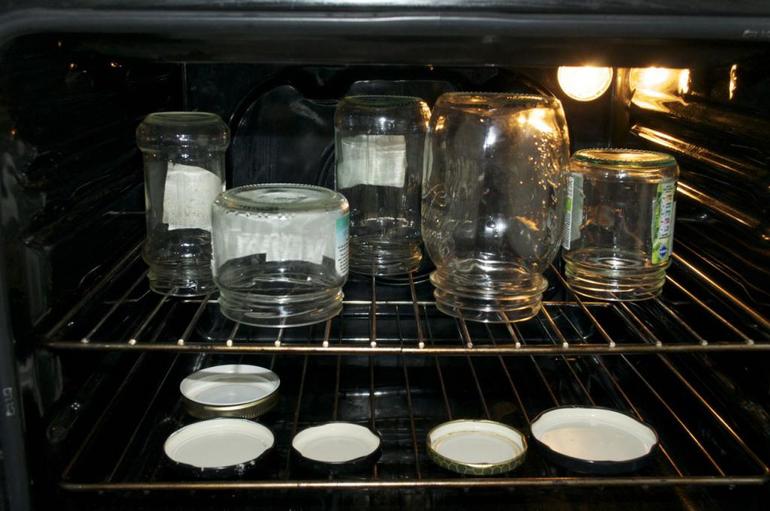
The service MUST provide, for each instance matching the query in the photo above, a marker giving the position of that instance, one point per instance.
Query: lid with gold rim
(232, 390)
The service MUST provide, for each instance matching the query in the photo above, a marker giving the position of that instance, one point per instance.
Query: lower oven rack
(402, 398)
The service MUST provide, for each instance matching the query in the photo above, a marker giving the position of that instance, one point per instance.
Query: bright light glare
(584, 83)
(684, 81)
(652, 78)
(660, 79)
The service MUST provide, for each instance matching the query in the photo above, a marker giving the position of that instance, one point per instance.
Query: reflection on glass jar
(492, 202)
(379, 147)
(184, 170)
(280, 253)
(619, 226)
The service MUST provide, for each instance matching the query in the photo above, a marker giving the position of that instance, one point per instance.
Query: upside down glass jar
(280, 253)
(379, 147)
(184, 170)
(619, 226)
(492, 207)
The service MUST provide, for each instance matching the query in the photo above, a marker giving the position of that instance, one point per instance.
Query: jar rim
(491, 101)
(375, 101)
(625, 159)
(279, 197)
(183, 118)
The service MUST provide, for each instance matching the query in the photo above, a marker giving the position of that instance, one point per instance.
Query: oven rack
(694, 314)
(402, 398)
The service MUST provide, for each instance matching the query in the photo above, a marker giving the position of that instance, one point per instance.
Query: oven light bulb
(584, 83)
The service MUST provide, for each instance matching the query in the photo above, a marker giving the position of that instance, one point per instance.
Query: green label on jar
(663, 216)
(573, 214)
(342, 229)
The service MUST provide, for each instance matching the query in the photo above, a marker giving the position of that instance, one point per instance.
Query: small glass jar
(184, 170)
(619, 226)
(280, 253)
(379, 147)
(492, 207)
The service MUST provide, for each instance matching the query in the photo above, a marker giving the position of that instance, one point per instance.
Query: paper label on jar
(188, 195)
(573, 214)
(308, 237)
(342, 229)
(663, 217)
(376, 160)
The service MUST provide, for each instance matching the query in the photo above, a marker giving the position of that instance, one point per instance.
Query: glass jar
(619, 225)
(280, 253)
(184, 170)
(492, 207)
(379, 147)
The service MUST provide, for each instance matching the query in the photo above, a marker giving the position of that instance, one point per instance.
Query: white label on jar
(573, 214)
(305, 237)
(663, 217)
(342, 228)
(376, 160)
(188, 195)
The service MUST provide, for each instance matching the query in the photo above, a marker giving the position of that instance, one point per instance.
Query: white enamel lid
(218, 443)
(594, 434)
(336, 442)
(229, 385)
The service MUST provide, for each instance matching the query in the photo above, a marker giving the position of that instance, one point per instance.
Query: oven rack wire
(695, 314)
(699, 445)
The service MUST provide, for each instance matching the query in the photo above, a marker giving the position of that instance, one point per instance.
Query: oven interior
(100, 357)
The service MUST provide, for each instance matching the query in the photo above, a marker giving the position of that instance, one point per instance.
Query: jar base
(384, 259)
(613, 282)
(509, 302)
(278, 312)
(183, 281)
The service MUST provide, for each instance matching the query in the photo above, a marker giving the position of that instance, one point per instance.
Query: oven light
(584, 83)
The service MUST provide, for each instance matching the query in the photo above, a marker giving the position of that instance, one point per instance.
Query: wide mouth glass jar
(280, 253)
(184, 170)
(492, 201)
(379, 148)
(619, 228)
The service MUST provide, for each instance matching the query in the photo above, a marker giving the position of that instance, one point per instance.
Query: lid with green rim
(279, 197)
(626, 159)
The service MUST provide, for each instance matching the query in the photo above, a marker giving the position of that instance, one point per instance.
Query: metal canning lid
(337, 447)
(593, 439)
(233, 390)
(219, 446)
(626, 159)
(476, 447)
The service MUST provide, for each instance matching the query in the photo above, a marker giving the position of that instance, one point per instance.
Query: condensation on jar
(619, 223)
(280, 253)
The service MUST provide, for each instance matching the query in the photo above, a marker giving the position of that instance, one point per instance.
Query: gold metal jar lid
(233, 390)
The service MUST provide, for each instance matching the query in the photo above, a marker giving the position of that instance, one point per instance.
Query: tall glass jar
(280, 253)
(379, 147)
(619, 226)
(492, 207)
(184, 170)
